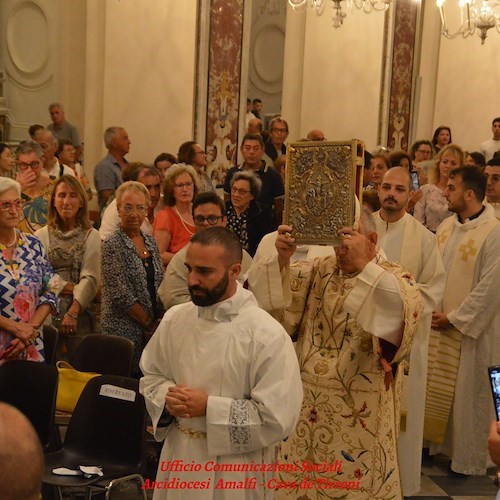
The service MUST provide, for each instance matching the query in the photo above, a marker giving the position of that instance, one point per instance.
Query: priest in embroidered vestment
(227, 371)
(466, 329)
(355, 315)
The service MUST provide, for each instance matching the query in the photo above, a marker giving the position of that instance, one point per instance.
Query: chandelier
(474, 14)
(338, 17)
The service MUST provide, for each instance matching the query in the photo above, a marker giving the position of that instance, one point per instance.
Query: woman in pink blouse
(432, 208)
(174, 225)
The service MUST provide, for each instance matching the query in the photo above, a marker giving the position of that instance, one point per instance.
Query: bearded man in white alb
(406, 241)
(228, 373)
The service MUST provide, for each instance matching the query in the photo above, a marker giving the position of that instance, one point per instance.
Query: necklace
(183, 222)
(13, 242)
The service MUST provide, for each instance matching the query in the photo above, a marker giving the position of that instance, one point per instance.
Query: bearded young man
(227, 372)
(464, 340)
(409, 243)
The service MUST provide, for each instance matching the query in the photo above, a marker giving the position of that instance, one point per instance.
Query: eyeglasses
(200, 153)
(184, 185)
(5, 206)
(211, 219)
(25, 166)
(240, 190)
(130, 209)
(424, 151)
(280, 130)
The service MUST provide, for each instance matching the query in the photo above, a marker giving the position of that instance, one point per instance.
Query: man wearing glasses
(46, 140)
(208, 210)
(278, 132)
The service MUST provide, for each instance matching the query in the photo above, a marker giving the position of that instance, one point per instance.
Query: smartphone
(414, 180)
(494, 373)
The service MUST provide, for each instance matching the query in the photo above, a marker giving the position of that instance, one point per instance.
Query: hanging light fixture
(339, 14)
(480, 15)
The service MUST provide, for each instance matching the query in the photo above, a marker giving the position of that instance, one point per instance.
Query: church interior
(170, 71)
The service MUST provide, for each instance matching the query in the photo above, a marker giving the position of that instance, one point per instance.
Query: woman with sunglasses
(26, 279)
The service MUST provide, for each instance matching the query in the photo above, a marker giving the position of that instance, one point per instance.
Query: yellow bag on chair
(71, 385)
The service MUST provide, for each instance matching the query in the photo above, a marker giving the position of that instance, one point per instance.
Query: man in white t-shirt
(491, 146)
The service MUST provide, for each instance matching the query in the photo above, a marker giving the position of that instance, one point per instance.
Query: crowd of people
(393, 329)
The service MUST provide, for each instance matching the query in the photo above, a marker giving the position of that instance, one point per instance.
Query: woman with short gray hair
(132, 271)
(244, 215)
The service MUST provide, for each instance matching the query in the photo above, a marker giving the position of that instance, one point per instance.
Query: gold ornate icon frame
(321, 183)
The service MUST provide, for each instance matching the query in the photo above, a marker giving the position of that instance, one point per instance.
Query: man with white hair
(108, 172)
(46, 140)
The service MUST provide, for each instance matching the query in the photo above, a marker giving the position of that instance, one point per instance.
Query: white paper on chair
(113, 391)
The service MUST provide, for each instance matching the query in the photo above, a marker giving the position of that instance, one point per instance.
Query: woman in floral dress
(27, 282)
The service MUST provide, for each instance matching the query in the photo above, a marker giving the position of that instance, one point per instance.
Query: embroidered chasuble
(444, 349)
(348, 424)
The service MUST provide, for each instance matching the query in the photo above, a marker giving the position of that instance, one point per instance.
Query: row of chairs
(107, 428)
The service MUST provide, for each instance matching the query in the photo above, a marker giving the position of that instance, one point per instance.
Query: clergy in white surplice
(355, 315)
(465, 339)
(408, 242)
(228, 374)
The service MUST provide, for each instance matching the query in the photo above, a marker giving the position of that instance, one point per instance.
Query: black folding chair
(107, 430)
(31, 387)
(106, 354)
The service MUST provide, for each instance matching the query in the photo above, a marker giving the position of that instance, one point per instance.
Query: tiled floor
(439, 483)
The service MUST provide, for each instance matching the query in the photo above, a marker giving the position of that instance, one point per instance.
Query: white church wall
(341, 77)
(468, 88)
(149, 67)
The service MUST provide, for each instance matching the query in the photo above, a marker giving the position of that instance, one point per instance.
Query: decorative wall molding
(29, 45)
